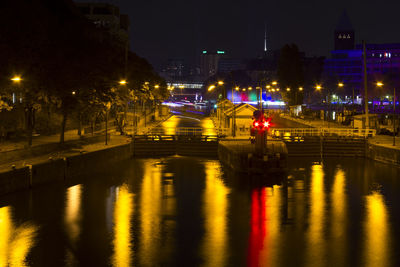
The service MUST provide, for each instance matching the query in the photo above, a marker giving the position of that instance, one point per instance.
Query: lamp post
(108, 106)
(394, 120)
(318, 88)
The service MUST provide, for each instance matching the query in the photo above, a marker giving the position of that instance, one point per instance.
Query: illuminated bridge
(179, 135)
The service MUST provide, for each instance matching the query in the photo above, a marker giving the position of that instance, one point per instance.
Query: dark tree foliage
(290, 74)
(64, 60)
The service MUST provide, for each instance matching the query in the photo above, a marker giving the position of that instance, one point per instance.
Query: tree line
(67, 66)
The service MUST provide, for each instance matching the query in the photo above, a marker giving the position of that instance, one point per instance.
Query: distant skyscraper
(209, 63)
(344, 33)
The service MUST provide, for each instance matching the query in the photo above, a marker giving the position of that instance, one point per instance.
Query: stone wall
(61, 169)
(383, 154)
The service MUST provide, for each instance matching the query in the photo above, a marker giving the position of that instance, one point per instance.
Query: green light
(204, 52)
(220, 52)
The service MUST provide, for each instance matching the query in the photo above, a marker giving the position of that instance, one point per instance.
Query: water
(182, 211)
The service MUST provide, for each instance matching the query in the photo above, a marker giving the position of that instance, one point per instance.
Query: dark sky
(162, 29)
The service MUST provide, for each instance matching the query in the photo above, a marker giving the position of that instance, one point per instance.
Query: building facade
(107, 16)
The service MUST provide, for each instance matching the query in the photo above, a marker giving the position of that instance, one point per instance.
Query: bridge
(198, 136)
(185, 141)
(324, 142)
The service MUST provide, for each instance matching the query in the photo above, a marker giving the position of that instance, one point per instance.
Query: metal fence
(188, 131)
(343, 132)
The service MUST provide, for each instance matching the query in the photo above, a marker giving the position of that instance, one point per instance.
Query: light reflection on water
(316, 247)
(377, 243)
(339, 218)
(15, 241)
(307, 220)
(123, 212)
(150, 214)
(72, 219)
(215, 210)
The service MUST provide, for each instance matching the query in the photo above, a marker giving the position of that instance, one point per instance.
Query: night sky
(162, 29)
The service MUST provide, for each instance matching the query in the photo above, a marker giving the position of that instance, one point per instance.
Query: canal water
(183, 211)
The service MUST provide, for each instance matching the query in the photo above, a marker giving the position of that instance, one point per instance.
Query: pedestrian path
(115, 140)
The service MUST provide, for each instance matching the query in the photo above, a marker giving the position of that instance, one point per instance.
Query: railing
(164, 137)
(188, 131)
(343, 132)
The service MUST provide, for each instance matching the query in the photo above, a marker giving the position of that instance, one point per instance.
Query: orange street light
(288, 89)
(220, 83)
(340, 84)
(379, 84)
(318, 87)
(122, 82)
(300, 89)
(156, 86)
(274, 83)
(16, 79)
(211, 87)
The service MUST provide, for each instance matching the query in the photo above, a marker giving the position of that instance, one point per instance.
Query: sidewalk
(39, 140)
(115, 140)
(385, 141)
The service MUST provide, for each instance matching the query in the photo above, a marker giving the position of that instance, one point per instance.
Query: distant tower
(344, 33)
(265, 38)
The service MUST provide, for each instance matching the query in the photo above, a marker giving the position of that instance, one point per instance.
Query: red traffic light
(262, 124)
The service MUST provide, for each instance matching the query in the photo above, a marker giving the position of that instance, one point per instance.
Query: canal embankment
(63, 165)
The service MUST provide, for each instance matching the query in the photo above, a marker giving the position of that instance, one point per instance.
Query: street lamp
(380, 84)
(16, 79)
(122, 82)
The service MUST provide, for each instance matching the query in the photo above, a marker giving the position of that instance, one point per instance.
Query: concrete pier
(240, 156)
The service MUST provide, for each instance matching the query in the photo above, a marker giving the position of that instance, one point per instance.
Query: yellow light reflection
(215, 212)
(273, 203)
(169, 126)
(122, 225)
(72, 211)
(316, 240)
(208, 127)
(5, 232)
(377, 247)
(339, 218)
(15, 242)
(150, 217)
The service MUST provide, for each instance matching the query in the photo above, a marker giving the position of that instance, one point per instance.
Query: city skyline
(177, 29)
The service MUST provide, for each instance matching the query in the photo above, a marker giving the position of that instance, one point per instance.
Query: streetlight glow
(157, 86)
(220, 83)
(300, 89)
(340, 84)
(288, 89)
(318, 87)
(211, 87)
(122, 82)
(16, 79)
(274, 83)
(379, 84)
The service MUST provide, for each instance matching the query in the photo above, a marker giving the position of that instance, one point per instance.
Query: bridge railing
(189, 131)
(342, 132)
(163, 137)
